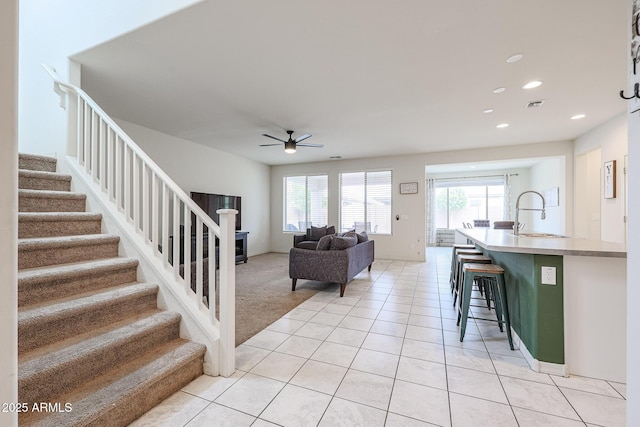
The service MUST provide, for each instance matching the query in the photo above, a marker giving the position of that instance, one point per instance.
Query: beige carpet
(263, 293)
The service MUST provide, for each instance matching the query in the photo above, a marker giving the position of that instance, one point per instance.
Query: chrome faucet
(516, 228)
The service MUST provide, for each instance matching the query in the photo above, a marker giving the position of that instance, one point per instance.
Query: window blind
(305, 202)
(365, 201)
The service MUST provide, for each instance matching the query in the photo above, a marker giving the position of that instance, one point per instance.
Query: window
(365, 201)
(305, 202)
(459, 202)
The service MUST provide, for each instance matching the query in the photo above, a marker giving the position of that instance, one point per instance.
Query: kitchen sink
(545, 235)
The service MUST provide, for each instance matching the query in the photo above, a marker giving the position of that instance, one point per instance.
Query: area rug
(263, 293)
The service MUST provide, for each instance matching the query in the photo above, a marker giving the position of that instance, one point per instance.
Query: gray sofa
(335, 265)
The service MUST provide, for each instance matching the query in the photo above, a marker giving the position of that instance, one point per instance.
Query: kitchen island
(574, 322)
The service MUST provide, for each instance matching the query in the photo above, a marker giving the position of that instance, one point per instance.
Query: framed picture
(408, 188)
(610, 179)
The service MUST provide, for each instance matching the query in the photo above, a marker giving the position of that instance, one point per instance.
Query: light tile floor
(387, 354)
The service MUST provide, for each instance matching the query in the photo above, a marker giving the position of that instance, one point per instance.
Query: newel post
(227, 291)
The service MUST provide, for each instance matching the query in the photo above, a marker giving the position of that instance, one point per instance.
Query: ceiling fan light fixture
(290, 147)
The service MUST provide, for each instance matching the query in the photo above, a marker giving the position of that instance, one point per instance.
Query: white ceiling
(366, 78)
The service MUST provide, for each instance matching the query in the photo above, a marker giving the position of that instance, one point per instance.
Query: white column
(227, 291)
(633, 244)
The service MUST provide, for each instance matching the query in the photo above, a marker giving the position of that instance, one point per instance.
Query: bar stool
(454, 272)
(454, 248)
(461, 259)
(495, 274)
(459, 248)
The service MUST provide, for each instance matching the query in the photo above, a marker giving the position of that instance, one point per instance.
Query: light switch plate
(548, 275)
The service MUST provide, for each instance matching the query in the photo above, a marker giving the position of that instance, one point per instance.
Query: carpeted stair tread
(58, 216)
(41, 180)
(57, 320)
(37, 162)
(41, 284)
(120, 396)
(65, 366)
(35, 252)
(49, 224)
(71, 341)
(64, 241)
(50, 201)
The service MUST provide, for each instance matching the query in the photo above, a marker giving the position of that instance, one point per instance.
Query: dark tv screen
(210, 203)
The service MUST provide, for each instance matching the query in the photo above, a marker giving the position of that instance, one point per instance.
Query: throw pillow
(331, 230)
(318, 232)
(362, 236)
(324, 244)
(340, 243)
(350, 234)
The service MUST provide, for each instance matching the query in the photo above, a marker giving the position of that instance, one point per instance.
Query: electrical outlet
(548, 276)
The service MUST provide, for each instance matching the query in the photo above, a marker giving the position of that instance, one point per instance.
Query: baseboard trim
(536, 365)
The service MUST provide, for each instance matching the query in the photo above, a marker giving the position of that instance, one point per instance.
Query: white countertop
(505, 241)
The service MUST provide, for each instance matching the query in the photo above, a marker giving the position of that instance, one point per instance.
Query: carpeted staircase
(94, 349)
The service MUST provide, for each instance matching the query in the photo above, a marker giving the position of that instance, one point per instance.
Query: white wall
(9, 208)
(546, 175)
(611, 139)
(408, 238)
(633, 250)
(51, 31)
(195, 167)
(588, 194)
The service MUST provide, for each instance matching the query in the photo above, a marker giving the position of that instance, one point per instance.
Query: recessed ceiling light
(502, 125)
(532, 84)
(514, 58)
(578, 117)
(488, 110)
(472, 167)
(499, 90)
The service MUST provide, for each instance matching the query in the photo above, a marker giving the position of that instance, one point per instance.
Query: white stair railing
(159, 211)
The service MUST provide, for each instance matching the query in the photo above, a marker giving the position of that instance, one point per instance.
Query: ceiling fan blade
(267, 145)
(306, 144)
(302, 137)
(273, 137)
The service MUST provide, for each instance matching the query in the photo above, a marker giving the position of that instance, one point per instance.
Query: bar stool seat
(472, 271)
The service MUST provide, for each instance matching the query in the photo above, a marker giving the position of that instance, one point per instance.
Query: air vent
(534, 104)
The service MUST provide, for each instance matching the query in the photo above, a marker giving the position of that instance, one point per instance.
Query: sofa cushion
(340, 243)
(324, 244)
(308, 244)
(362, 236)
(315, 233)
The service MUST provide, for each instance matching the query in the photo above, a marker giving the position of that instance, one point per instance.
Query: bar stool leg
(466, 301)
(496, 300)
(505, 308)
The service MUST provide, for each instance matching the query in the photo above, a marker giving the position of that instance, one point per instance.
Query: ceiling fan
(291, 144)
